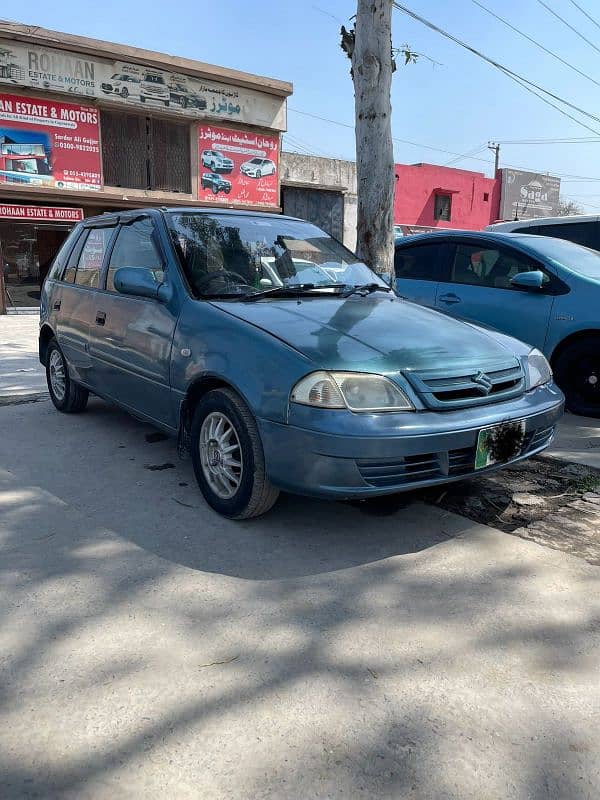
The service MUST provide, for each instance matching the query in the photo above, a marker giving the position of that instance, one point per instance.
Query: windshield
(242, 255)
(582, 260)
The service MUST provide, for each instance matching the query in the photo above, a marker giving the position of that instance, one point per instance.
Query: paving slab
(150, 648)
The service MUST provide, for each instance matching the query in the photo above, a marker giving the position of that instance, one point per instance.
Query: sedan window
(135, 248)
(421, 262)
(493, 267)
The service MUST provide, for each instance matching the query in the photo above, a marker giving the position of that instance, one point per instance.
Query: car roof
(155, 210)
(499, 237)
(529, 223)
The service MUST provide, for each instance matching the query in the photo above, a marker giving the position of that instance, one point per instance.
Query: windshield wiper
(289, 291)
(366, 289)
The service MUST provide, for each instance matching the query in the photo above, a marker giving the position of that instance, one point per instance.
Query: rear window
(586, 234)
(61, 257)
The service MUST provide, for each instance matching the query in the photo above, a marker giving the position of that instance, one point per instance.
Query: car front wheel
(577, 372)
(228, 457)
(67, 396)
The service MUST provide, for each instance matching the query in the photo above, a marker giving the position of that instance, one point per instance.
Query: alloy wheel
(221, 455)
(58, 378)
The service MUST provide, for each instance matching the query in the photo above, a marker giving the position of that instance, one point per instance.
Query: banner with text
(136, 85)
(238, 167)
(40, 213)
(44, 143)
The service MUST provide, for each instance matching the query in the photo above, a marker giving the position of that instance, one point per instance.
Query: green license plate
(499, 443)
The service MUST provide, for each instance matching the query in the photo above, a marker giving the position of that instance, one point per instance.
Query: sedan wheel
(58, 378)
(577, 372)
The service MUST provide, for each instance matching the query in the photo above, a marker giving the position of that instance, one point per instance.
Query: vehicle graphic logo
(482, 383)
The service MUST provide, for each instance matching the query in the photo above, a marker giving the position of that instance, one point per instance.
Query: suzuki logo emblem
(482, 382)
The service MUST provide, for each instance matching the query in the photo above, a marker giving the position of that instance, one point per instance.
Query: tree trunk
(372, 76)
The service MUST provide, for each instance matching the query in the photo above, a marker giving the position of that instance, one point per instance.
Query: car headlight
(537, 369)
(357, 391)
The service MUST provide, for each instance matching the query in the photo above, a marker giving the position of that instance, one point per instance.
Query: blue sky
(455, 106)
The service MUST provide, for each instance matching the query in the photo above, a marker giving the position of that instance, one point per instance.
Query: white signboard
(135, 85)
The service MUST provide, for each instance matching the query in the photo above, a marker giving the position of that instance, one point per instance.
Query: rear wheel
(67, 396)
(577, 372)
(228, 457)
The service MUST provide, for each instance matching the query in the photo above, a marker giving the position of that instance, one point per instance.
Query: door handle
(100, 317)
(56, 305)
(450, 298)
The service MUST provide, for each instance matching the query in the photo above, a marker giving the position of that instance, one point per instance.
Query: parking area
(150, 646)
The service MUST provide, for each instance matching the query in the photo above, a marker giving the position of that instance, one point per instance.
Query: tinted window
(493, 267)
(61, 257)
(135, 247)
(69, 273)
(92, 256)
(420, 262)
(586, 234)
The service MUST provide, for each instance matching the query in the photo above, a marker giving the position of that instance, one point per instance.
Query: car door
(131, 337)
(73, 302)
(477, 287)
(418, 268)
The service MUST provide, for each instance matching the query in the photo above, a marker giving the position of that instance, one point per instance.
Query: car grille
(459, 388)
(423, 467)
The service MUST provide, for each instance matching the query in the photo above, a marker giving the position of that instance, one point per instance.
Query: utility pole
(496, 148)
(369, 47)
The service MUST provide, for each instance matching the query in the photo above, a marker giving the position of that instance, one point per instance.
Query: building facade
(428, 196)
(88, 126)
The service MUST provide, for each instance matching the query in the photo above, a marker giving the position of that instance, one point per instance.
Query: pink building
(430, 196)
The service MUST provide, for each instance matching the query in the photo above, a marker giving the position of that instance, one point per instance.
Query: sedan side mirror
(528, 280)
(140, 282)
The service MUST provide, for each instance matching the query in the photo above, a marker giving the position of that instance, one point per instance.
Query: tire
(124, 93)
(73, 397)
(258, 173)
(227, 189)
(253, 495)
(142, 99)
(167, 103)
(577, 372)
(215, 189)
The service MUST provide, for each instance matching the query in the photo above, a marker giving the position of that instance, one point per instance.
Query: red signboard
(44, 143)
(237, 167)
(40, 213)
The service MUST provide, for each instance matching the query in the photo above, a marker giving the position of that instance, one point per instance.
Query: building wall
(416, 187)
(324, 174)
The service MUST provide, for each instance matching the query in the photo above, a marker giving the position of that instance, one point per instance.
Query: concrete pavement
(578, 439)
(21, 374)
(150, 648)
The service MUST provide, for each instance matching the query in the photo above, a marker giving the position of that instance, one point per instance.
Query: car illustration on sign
(210, 180)
(258, 167)
(180, 94)
(122, 84)
(216, 161)
(154, 87)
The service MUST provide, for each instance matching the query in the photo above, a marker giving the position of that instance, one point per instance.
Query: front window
(240, 255)
(578, 259)
(256, 161)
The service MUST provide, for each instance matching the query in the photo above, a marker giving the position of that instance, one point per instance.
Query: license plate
(499, 443)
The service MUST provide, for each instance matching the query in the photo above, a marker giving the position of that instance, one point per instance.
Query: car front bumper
(339, 454)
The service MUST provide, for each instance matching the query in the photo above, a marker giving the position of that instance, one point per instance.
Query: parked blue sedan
(542, 290)
(281, 360)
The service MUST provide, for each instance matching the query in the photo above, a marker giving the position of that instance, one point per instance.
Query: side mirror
(138, 282)
(528, 280)
(265, 283)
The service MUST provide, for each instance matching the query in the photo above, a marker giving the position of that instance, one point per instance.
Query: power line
(536, 43)
(468, 154)
(585, 14)
(520, 79)
(568, 24)
(582, 178)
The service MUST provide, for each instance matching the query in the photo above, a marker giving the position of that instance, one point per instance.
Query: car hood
(375, 333)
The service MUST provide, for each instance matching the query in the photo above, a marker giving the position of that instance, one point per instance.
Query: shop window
(443, 207)
(486, 197)
(141, 152)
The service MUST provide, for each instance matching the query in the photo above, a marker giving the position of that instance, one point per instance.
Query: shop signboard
(20, 213)
(49, 144)
(136, 85)
(237, 167)
(527, 195)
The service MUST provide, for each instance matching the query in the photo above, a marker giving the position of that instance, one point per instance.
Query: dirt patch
(552, 502)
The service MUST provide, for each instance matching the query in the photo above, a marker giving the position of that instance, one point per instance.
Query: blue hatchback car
(541, 290)
(280, 360)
